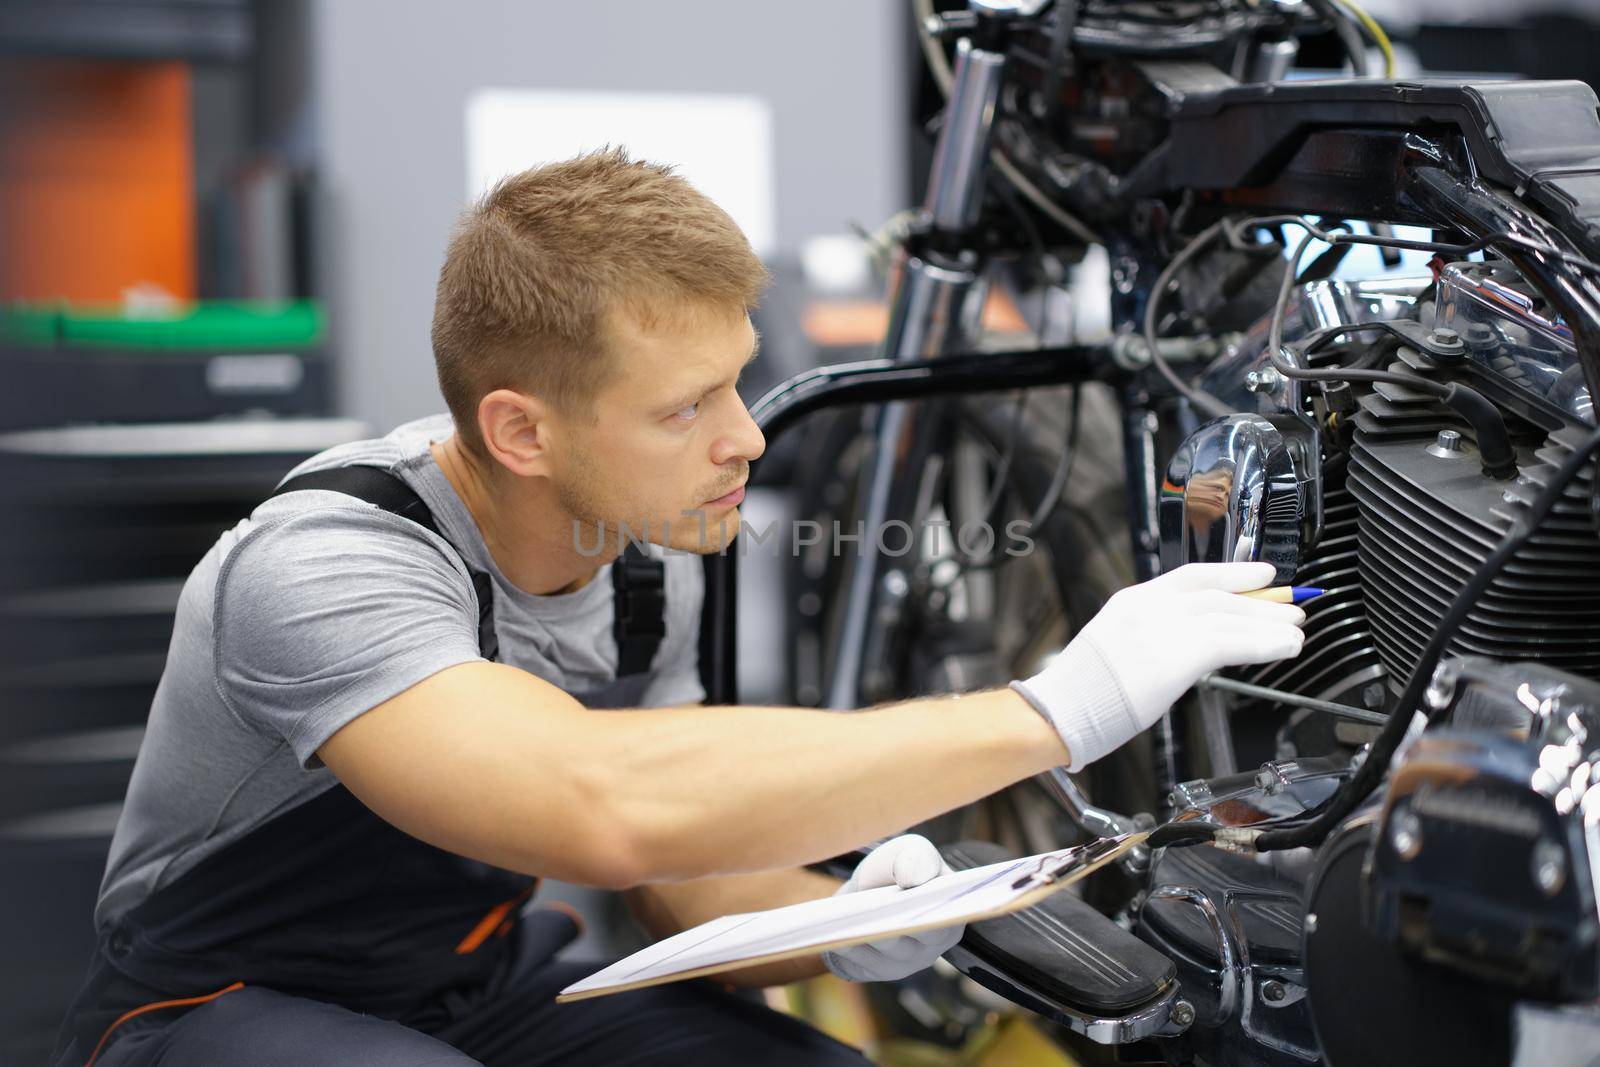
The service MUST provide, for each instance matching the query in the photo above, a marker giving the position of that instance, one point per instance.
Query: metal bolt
(1264, 380)
(895, 584)
(1311, 923)
(1445, 337)
(1183, 1013)
(1405, 834)
(1447, 445)
(1549, 867)
(1372, 696)
(1441, 688)
(1268, 781)
(1130, 351)
(1272, 992)
(1125, 274)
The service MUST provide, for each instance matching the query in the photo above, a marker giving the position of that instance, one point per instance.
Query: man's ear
(516, 431)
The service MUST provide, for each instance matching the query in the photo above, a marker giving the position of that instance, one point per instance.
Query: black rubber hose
(1499, 459)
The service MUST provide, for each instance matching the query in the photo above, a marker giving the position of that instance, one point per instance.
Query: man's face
(670, 447)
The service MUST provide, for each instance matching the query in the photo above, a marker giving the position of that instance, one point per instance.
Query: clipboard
(734, 942)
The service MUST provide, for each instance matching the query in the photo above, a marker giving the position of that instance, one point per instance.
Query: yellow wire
(1380, 38)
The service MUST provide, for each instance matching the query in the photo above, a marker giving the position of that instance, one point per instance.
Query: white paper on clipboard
(835, 922)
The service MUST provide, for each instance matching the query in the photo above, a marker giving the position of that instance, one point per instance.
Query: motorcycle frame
(875, 381)
(1303, 148)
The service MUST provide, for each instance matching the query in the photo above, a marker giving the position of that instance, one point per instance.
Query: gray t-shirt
(319, 607)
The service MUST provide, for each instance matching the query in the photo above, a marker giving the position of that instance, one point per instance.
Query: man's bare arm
(669, 908)
(496, 764)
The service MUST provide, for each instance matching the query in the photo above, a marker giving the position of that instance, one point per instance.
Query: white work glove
(1149, 644)
(906, 861)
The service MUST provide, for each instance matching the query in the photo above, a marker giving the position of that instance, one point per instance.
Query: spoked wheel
(972, 619)
(977, 614)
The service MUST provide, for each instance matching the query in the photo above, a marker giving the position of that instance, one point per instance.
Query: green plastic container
(209, 325)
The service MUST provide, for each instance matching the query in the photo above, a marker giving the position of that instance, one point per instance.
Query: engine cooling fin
(1429, 518)
(1338, 654)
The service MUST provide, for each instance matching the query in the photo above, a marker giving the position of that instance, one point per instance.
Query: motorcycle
(1388, 848)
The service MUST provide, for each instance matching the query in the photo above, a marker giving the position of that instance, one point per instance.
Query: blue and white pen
(1285, 594)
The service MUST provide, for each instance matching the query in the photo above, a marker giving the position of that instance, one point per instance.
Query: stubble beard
(590, 514)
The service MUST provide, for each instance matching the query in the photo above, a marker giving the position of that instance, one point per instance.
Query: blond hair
(535, 266)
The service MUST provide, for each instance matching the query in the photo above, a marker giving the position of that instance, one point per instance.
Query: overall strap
(388, 492)
(639, 601)
(638, 580)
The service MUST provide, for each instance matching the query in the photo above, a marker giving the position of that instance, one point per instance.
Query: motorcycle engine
(1460, 902)
(1455, 918)
(1383, 503)
(1449, 920)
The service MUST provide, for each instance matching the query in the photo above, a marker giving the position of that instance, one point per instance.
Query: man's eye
(689, 412)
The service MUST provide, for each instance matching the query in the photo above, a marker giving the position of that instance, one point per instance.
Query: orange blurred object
(96, 179)
(839, 323)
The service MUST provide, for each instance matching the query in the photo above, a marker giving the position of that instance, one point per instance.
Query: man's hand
(1149, 644)
(906, 861)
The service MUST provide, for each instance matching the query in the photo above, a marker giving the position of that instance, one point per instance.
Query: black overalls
(328, 936)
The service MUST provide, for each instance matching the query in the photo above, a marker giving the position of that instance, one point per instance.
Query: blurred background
(220, 226)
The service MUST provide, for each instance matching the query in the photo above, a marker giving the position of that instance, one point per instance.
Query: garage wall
(391, 81)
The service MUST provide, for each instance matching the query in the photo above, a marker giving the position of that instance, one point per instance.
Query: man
(342, 803)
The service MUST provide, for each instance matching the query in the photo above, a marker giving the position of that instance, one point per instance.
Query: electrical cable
(1071, 223)
(1314, 342)
(1348, 31)
(1201, 399)
(1327, 374)
(1465, 401)
(1374, 31)
(1047, 503)
(992, 497)
(1337, 236)
(1495, 450)
(964, 561)
(992, 501)
(1058, 481)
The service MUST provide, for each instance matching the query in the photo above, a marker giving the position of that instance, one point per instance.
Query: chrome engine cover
(1266, 461)
(1239, 489)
